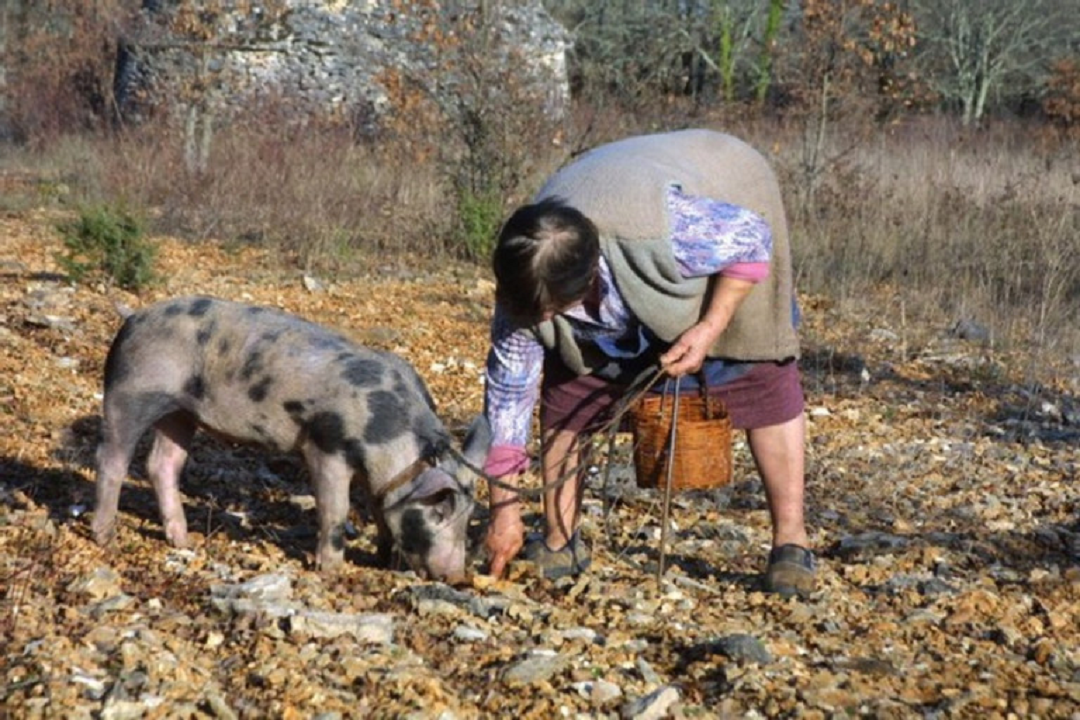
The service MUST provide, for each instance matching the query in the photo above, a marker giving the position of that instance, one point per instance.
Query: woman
(666, 249)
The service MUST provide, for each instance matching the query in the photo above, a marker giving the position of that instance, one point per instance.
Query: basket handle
(714, 407)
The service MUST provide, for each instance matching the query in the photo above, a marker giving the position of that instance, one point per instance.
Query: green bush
(107, 242)
(479, 215)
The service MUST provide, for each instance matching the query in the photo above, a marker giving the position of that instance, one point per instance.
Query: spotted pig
(258, 375)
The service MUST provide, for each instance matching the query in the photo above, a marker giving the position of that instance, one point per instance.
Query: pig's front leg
(172, 439)
(330, 475)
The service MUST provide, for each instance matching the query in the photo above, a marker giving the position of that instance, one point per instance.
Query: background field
(938, 273)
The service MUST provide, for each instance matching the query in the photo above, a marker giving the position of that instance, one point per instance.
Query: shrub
(479, 215)
(108, 242)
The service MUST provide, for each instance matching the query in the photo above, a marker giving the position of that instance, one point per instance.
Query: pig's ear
(430, 486)
(477, 441)
(441, 505)
(439, 493)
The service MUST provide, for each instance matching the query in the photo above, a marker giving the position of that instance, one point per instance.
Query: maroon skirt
(769, 393)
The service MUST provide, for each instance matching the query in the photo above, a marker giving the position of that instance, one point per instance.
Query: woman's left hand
(688, 353)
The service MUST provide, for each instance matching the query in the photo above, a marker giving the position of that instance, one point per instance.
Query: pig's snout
(448, 565)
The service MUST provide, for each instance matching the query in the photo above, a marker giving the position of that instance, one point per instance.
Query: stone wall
(316, 57)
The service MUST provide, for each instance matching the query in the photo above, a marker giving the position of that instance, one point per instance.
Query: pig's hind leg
(125, 418)
(113, 457)
(172, 440)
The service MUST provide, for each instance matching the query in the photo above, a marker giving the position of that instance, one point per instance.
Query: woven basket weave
(702, 457)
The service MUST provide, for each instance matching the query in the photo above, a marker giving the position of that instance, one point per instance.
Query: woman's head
(545, 260)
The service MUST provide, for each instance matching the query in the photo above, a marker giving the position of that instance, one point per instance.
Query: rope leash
(667, 486)
(635, 390)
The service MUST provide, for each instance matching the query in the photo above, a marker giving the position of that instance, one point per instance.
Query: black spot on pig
(195, 387)
(271, 337)
(327, 431)
(354, 454)
(416, 537)
(399, 384)
(294, 408)
(258, 392)
(223, 345)
(255, 310)
(173, 309)
(205, 333)
(329, 342)
(200, 307)
(362, 372)
(337, 537)
(252, 365)
(388, 417)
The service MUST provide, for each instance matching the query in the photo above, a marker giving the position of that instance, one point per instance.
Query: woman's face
(591, 302)
(550, 313)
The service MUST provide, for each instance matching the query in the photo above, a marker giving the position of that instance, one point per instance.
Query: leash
(667, 485)
(635, 390)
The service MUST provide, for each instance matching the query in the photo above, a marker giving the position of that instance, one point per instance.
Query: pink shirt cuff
(505, 460)
(751, 271)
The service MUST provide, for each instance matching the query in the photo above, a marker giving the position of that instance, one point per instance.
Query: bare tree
(973, 48)
(639, 51)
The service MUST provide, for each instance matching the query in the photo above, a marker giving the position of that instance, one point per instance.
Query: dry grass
(979, 227)
(957, 225)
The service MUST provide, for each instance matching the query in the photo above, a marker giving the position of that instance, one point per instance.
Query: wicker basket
(702, 441)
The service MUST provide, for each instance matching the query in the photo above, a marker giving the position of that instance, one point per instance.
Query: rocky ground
(943, 501)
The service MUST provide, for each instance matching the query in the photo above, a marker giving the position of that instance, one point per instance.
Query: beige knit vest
(621, 187)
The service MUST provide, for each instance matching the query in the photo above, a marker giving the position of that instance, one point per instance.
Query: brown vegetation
(940, 288)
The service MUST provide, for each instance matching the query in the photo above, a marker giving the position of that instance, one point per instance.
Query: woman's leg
(561, 473)
(572, 409)
(779, 454)
(768, 402)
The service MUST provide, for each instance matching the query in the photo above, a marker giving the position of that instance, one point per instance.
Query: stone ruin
(319, 58)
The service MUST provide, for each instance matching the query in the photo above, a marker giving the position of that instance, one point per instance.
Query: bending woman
(669, 250)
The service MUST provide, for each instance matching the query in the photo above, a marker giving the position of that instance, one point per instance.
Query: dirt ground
(943, 503)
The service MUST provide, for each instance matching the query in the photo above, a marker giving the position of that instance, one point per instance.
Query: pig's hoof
(103, 532)
(178, 538)
(330, 564)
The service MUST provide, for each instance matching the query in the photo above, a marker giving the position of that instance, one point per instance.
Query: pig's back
(260, 375)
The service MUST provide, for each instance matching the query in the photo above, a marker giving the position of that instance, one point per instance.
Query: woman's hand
(688, 353)
(505, 536)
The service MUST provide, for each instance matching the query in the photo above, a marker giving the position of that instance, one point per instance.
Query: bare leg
(778, 451)
(172, 440)
(562, 504)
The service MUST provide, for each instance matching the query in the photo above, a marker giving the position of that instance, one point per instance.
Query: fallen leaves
(942, 500)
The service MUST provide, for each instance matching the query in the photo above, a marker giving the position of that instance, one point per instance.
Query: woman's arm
(511, 388)
(688, 353)
(730, 244)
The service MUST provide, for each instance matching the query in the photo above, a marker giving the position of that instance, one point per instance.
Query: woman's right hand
(505, 537)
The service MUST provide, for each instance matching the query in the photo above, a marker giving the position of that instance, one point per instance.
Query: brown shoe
(573, 559)
(791, 571)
